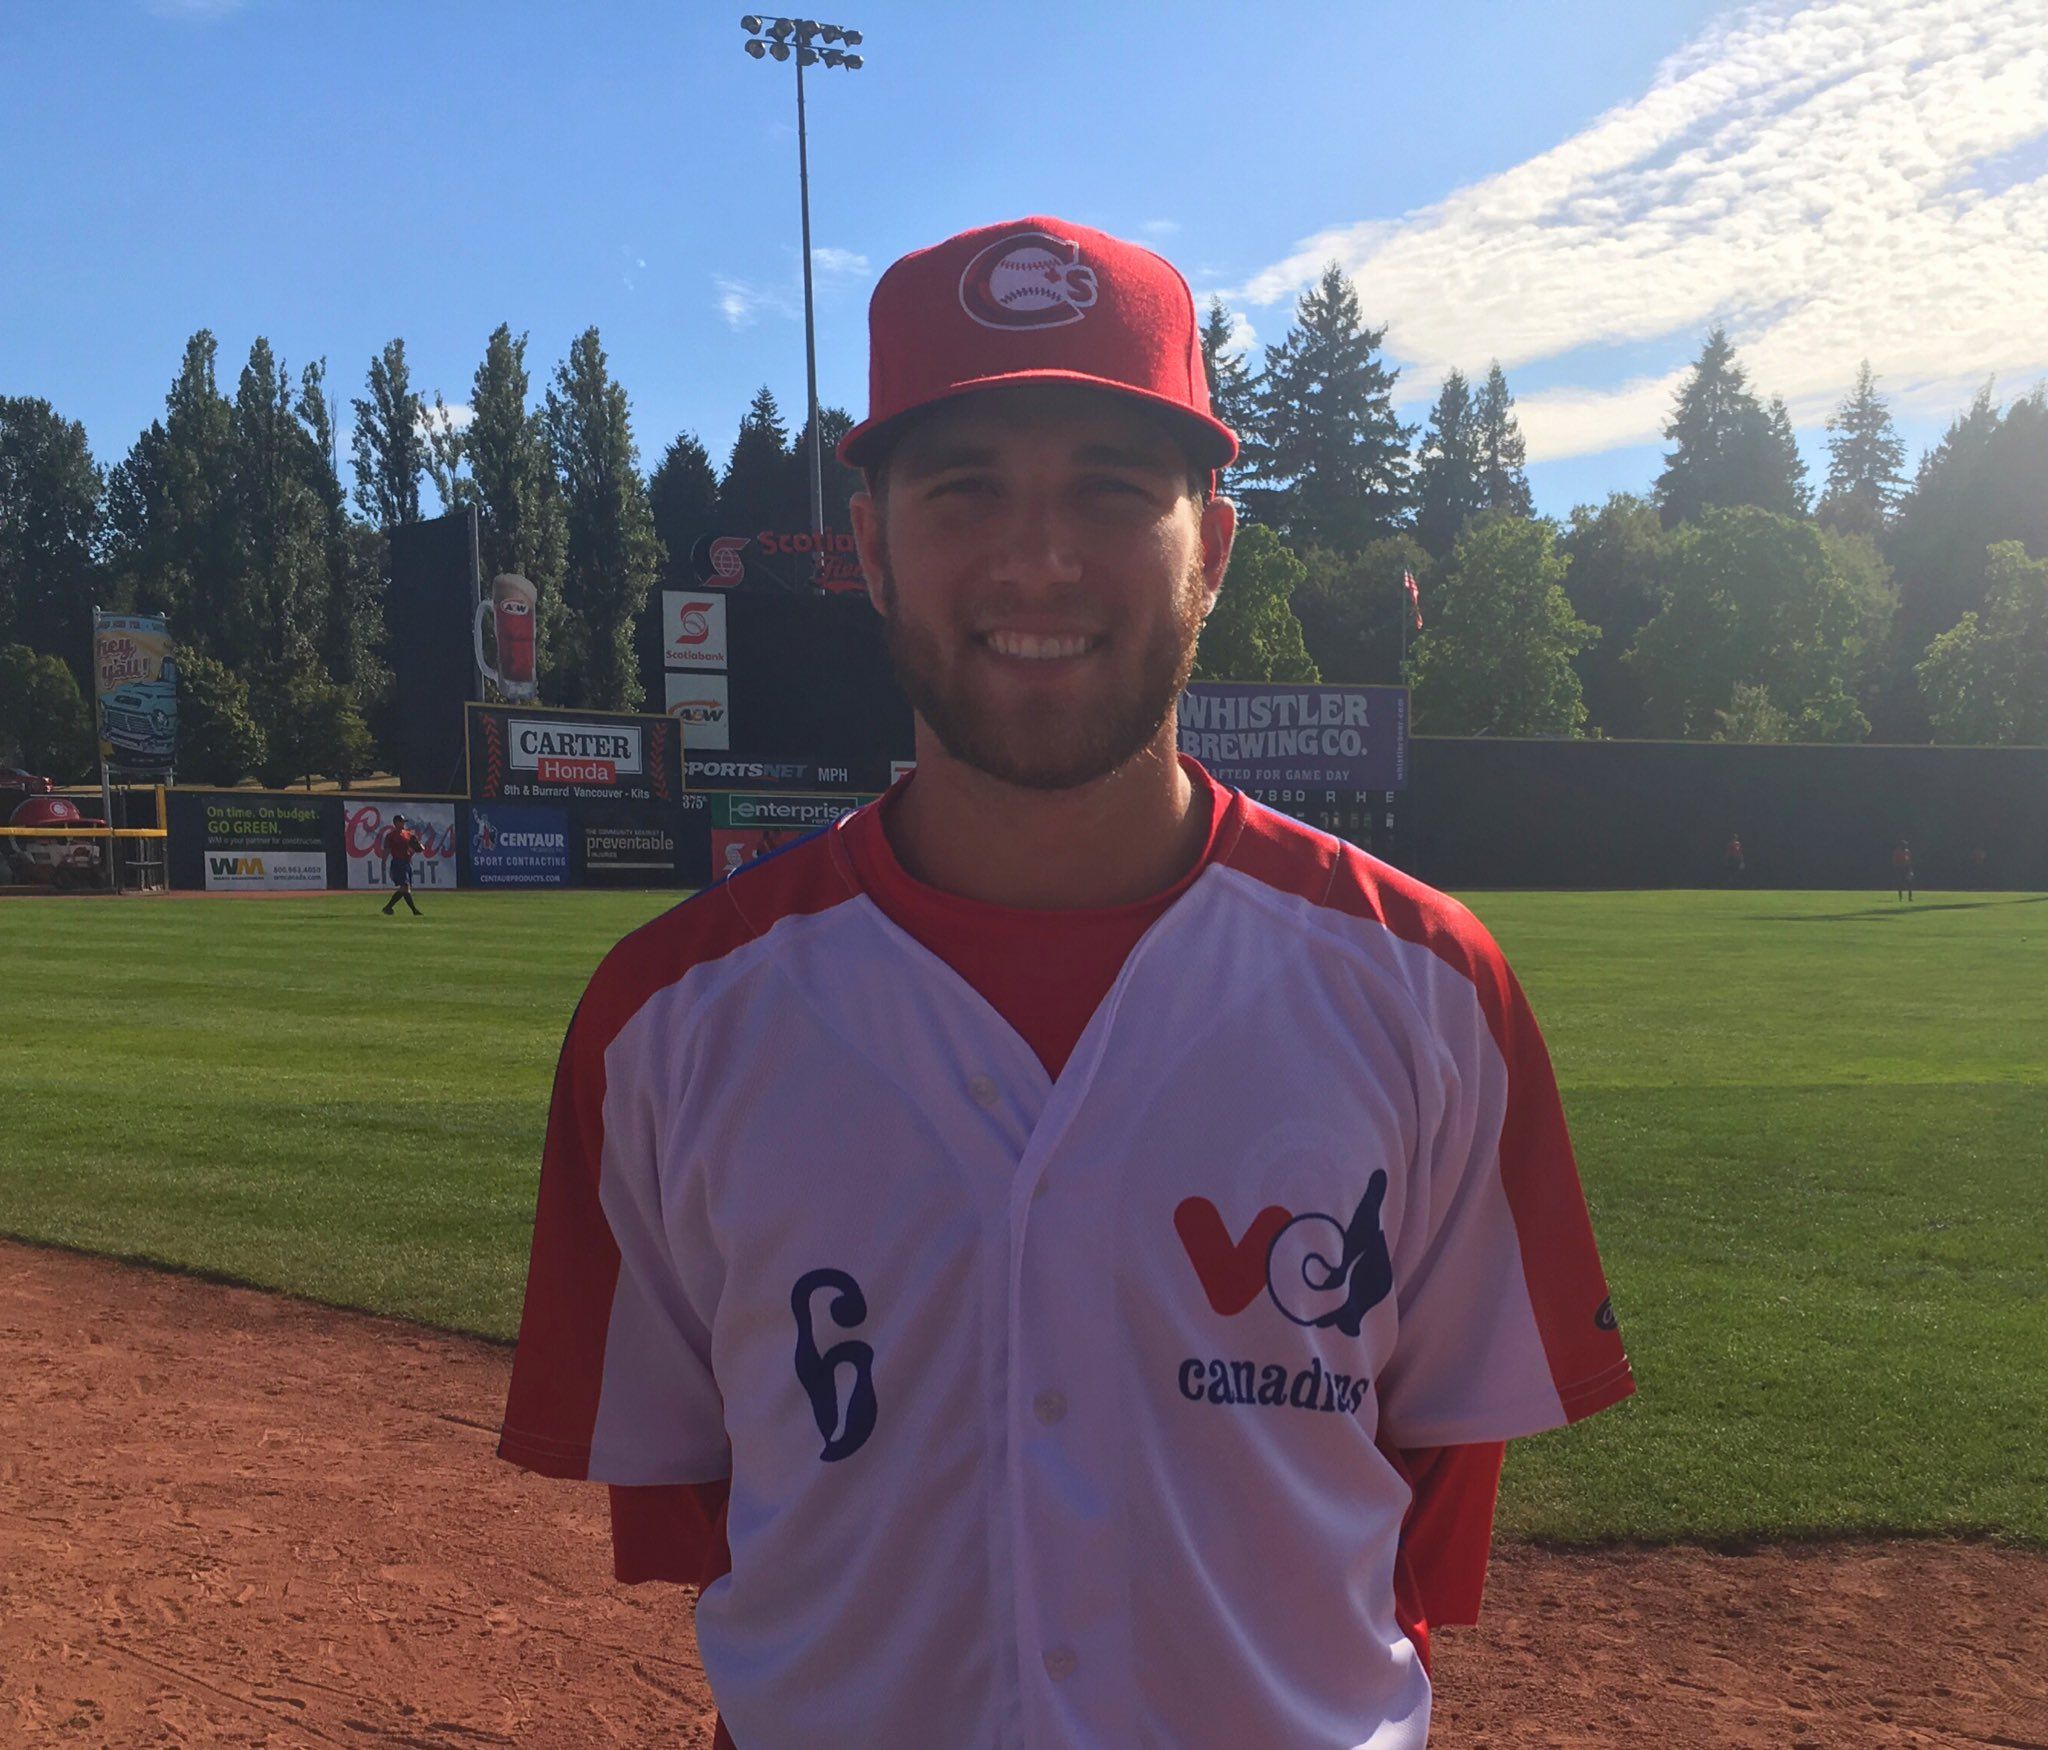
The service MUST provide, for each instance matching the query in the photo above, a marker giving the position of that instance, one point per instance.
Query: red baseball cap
(1035, 300)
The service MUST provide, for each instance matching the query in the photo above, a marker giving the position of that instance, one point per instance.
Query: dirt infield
(231, 1518)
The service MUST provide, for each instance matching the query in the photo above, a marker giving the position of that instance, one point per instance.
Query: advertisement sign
(630, 853)
(547, 756)
(518, 847)
(744, 827)
(1268, 736)
(780, 559)
(511, 611)
(692, 629)
(266, 871)
(265, 844)
(713, 771)
(135, 690)
(702, 704)
(365, 824)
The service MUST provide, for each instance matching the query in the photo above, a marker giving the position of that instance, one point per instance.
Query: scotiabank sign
(527, 756)
(780, 559)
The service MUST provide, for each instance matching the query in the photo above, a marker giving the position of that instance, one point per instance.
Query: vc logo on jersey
(818, 1372)
(1317, 1270)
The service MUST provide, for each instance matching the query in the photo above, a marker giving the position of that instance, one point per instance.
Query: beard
(1047, 749)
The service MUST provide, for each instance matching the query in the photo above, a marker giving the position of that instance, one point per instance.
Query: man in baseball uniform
(1056, 1254)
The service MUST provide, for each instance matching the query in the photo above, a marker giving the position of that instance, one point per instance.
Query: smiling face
(1043, 565)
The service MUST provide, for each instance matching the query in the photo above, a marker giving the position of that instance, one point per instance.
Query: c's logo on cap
(1027, 280)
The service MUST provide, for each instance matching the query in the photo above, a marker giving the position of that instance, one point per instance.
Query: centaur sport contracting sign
(544, 756)
(1265, 736)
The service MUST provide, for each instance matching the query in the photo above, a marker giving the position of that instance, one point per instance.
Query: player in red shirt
(401, 845)
(1902, 869)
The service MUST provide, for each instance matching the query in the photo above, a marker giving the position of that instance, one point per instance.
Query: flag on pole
(1414, 597)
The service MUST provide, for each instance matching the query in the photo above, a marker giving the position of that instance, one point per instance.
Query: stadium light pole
(792, 39)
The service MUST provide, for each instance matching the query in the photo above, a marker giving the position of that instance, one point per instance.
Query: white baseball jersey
(1054, 1410)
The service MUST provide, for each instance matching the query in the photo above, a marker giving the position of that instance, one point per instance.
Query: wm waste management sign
(1260, 735)
(266, 845)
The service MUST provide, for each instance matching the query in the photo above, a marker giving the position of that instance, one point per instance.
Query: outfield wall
(282, 841)
(1486, 813)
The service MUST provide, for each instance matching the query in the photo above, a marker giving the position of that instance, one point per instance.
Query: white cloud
(460, 416)
(1811, 176)
(848, 262)
(1160, 229)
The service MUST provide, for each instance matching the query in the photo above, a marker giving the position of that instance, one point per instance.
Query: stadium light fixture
(773, 36)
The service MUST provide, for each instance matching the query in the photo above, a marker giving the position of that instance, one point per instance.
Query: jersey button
(1049, 1407)
(982, 1089)
(1060, 1663)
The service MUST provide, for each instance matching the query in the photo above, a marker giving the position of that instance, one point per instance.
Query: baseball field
(1813, 1128)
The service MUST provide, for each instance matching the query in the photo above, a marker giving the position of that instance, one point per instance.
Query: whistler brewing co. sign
(534, 756)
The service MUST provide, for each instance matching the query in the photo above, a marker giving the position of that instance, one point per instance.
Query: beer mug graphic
(512, 605)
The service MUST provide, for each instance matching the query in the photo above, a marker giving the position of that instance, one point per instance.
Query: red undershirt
(1046, 973)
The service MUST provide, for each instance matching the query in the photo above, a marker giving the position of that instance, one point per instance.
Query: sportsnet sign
(1264, 736)
(546, 757)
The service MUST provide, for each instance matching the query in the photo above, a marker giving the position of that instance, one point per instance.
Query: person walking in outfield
(1055, 1256)
(1902, 868)
(401, 845)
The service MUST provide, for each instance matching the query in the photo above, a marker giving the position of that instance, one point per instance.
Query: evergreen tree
(1727, 449)
(500, 463)
(682, 497)
(1495, 657)
(1866, 458)
(390, 445)
(1783, 485)
(613, 553)
(1615, 583)
(755, 492)
(1985, 482)
(1252, 634)
(1986, 678)
(1447, 488)
(280, 595)
(1233, 391)
(169, 512)
(1498, 450)
(50, 524)
(1334, 457)
(840, 481)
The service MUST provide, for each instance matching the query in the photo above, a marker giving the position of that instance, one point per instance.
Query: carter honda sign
(574, 753)
(536, 756)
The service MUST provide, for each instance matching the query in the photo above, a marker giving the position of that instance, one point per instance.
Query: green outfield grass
(1813, 1127)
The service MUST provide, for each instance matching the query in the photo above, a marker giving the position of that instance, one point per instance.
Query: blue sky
(1578, 190)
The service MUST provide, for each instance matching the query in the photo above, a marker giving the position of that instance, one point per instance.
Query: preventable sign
(1268, 735)
(552, 756)
(702, 705)
(366, 826)
(518, 847)
(693, 629)
(635, 853)
(135, 691)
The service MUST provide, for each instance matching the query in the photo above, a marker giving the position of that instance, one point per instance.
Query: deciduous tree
(1252, 634)
(1986, 678)
(45, 723)
(390, 441)
(50, 527)
(1495, 654)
